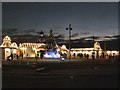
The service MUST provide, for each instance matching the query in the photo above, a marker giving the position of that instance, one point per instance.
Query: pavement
(33, 60)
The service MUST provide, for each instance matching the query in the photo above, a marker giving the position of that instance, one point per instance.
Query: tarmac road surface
(83, 81)
(60, 75)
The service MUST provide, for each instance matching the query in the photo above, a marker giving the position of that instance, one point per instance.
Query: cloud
(84, 33)
(110, 37)
(116, 36)
(95, 37)
(10, 31)
(31, 32)
(75, 35)
(99, 38)
(60, 36)
(16, 31)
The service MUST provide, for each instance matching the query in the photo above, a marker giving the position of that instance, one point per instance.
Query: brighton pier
(32, 50)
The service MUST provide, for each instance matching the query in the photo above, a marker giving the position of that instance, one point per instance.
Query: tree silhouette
(50, 42)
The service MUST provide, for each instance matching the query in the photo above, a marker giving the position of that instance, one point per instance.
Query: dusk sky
(96, 18)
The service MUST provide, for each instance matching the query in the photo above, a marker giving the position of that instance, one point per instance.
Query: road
(83, 81)
(61, 75)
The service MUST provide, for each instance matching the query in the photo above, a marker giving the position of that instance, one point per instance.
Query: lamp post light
(41, 35)
(69, 28)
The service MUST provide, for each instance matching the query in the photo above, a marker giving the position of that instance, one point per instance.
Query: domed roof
(97, 45)
(7, 38)
(14, 45)
(7, 43)
(63, 47)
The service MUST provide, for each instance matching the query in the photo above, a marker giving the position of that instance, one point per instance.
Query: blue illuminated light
(52, 54)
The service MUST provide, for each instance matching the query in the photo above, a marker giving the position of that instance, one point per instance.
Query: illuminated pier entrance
(36, 49)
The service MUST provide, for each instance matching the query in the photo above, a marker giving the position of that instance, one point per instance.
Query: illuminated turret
(6, 42)
(97, 46)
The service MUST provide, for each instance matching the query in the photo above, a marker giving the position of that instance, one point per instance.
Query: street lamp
(105, 46)
(93, 40)
(69, 28)
(93, 54)
(41, 35)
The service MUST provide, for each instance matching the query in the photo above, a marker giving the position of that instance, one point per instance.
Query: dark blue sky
(95, 18)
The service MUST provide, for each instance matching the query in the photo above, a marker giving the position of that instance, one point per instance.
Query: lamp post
(41, 35)
(105, 47)
(93, 40)
(93, 54)
(69, 28)
(93, 43)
